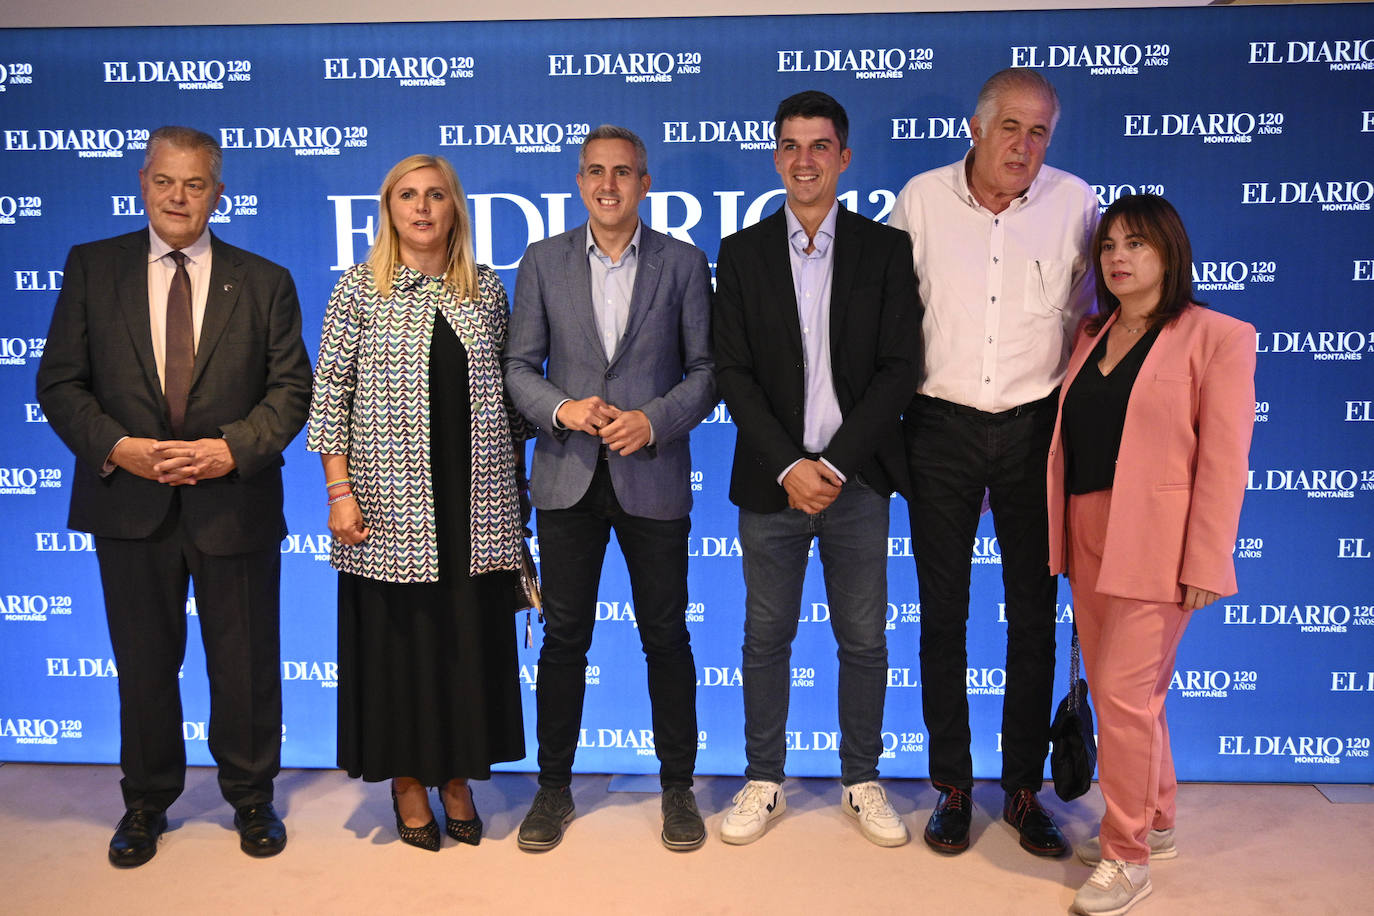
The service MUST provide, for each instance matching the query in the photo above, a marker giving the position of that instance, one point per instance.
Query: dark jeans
(954, 453)
(572, 547)
(853, 548)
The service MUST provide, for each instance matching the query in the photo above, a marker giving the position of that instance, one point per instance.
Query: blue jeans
(853, 548)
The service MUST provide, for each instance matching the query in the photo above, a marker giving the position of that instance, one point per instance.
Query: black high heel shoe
(464, 831)
(426, 837)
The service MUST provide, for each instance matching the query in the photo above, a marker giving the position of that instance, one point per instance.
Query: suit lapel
(647, 274)
(1080, 355)
(226, 278)
(777, 267)
(1160, 351)
(131, 289)
(579, 276)
(844, 264)
(1142, 383)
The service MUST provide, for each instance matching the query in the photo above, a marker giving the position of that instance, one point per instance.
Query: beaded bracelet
(340, 498)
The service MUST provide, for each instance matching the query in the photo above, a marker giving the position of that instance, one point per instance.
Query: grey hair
(187, 138)
(613, 132)
(1013, 79)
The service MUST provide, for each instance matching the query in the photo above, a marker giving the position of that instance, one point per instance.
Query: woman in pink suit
(1147, 470)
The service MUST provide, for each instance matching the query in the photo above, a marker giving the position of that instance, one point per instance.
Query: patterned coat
(371, 403)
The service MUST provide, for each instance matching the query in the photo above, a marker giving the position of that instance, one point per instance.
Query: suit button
(612, 375)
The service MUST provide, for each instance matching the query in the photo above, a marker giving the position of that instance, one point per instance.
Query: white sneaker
(755, 805)
(1114, 888)
(1161, 847)
(867, 803)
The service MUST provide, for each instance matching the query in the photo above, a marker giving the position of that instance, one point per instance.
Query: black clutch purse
(528, 596)
(1073, 758)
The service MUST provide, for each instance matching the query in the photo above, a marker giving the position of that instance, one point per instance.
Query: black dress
(428, 679)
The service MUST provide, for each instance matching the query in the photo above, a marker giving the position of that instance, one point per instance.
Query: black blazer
(875, 354)
(97, 382)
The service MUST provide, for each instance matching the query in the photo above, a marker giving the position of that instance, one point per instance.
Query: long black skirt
(428, 678)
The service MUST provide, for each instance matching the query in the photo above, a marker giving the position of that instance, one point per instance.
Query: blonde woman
(409, 415)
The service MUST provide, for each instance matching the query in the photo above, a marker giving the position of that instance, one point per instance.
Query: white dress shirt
(1003, 292)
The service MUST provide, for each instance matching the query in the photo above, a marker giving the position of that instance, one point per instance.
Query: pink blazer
(1181, 472)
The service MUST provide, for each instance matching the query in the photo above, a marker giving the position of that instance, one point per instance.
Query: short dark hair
(615, 132)
(1154, 219)
(186, 138)
(813, 104)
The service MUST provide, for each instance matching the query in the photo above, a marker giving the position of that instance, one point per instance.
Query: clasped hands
(173, 461)
(811, 486)
(622, 431)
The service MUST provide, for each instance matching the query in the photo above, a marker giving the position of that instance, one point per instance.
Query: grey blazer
(662, 366)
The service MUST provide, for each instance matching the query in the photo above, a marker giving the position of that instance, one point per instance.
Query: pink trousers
(1128, 650)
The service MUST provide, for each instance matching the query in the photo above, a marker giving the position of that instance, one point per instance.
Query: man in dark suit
(816, 331)
(609, 356)
(175, 371)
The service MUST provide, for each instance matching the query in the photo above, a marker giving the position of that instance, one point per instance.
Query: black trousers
(572, 548)
(954, 454)
(238, 605)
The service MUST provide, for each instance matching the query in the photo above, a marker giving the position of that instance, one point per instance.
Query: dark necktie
(181, 345)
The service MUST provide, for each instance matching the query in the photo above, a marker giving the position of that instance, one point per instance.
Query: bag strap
(1073, 670)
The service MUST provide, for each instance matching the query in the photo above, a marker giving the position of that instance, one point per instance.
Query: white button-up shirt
(1003, 292)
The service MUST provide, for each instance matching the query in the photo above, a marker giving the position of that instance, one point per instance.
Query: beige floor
(1244, 850)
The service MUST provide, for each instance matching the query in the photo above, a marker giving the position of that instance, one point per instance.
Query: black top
(1095, 412)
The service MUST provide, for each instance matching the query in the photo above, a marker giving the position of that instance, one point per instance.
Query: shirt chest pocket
(1047, 286)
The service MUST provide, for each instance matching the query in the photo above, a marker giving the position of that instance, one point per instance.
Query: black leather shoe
(947, 829)
(683, 828)
(135, 839)
(1039, 834)
(261, 832)
(550, 812)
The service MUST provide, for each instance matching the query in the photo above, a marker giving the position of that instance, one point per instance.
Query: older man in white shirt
(1000, 244)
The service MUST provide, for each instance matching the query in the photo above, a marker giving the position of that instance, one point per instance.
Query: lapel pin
(228, 286)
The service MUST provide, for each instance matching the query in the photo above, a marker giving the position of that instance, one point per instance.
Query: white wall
(58, 13)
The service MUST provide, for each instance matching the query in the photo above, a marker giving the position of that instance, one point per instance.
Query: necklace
(1121, 323)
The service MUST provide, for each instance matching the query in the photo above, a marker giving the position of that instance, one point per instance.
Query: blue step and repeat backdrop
(1258, 123)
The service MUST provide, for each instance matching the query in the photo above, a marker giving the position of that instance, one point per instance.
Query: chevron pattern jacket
(371, 403)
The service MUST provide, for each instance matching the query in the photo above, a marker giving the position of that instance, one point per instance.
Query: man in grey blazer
(175, 371)
(609, 356)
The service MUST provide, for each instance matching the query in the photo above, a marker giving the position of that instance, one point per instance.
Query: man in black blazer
(175, 371)
(816, 332)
